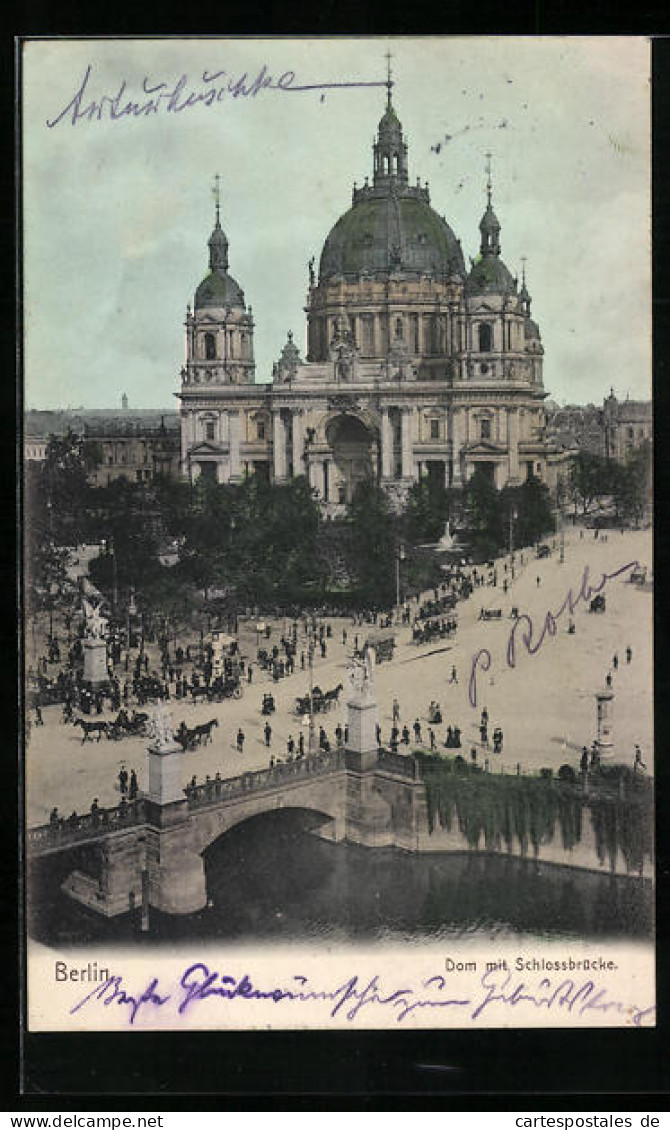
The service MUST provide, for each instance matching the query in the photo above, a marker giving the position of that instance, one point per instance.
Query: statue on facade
(312, 276)
(95, 625)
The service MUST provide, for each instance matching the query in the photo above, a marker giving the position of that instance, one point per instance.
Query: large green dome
(391, 230)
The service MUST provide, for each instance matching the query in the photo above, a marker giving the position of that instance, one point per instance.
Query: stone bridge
(151, 851)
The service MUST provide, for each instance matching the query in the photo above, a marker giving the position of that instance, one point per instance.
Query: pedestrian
(483, 734)
(454, 676)
(417, 730)
(240, 740)
(608, 679)
(123, 780)
(302, 661)
(615, 661)
(629, 654)
(405, 736)
(537, 579)
(250, 673)
(457, 738)
(396, 710)
(378, 733)
(39, 721)
(290, 747)
(638, 763)
(133, 785)
(301, 744)
(95, 808)
(485, 717)
(267, 730)
(584, 761)
(54, 818)
(431, 735)
(344, 636)
(473, 755)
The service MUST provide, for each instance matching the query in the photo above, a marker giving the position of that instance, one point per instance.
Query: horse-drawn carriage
(490, 614)
(382, 643)
(638, 576)
(597, 604)
(321, 701)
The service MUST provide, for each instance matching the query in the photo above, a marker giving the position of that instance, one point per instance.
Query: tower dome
(219, 288)
(489, 275)
(391, 226)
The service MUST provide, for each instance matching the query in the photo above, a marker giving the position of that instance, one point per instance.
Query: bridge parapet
(260, 780)
(89, 826)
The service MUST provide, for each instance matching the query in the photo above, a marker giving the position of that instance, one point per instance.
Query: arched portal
(355, 452)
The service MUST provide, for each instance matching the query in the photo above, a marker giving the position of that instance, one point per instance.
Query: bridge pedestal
(175, 869)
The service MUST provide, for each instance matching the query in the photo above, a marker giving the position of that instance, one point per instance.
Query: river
(272, 880)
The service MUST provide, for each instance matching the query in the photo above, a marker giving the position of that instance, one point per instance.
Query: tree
(590, 479)
(484, 513)
(428, 507)
(372, 545)
(631, 484)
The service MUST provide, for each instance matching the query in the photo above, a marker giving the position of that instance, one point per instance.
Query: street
(545, 705)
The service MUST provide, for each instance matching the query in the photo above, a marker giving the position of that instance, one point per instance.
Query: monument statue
(95, 625)
(446, 542)
(361, 677)
(160, 725)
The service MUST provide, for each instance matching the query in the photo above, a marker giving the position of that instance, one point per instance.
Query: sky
(117, 211)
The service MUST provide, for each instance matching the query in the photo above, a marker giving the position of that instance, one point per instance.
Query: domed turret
(219, 288)
(489, 275)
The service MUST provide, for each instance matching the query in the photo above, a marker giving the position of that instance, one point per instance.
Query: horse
(91, 728)
(333, 696)
(204, 731)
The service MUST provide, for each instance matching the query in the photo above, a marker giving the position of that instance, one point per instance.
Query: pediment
(483, 447)
(206, 449)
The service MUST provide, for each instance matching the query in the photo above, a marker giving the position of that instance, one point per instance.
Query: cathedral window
(485, 429)
(260, 429)
(415, 330)
(434, 429)
(210, 347)
(485, 337)
(209, 430)
(398, 327)
(483, 368)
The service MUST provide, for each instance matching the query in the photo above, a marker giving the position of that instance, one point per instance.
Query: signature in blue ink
(173, 98)
(523, 625)
(355, 994)
(111, 992)
(566, 994)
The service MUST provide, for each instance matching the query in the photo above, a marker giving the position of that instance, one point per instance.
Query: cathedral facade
(415, 366)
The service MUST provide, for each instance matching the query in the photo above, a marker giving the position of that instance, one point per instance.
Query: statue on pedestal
(95, 625)
(361, 678)
(160, 725)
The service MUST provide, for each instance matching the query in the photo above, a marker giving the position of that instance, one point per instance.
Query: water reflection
(271, 880)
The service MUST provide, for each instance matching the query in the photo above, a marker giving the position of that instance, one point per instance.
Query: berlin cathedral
(415, 366)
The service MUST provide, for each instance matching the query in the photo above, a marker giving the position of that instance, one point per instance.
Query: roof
(390, 230)
(490, 276)
(219, 289)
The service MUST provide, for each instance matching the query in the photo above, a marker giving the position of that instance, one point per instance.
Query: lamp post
(400, 556)
(513, 515)
(310, 655)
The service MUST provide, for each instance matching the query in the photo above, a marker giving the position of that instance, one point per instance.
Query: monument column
(175, 869)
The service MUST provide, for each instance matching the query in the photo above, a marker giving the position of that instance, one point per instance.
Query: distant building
(135, 445)
(34, 448)
(612, 431)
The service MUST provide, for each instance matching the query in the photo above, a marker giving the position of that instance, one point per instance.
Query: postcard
(338, 575)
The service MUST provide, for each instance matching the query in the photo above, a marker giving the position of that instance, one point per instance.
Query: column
(318, 477)
(406, 444)
(234, 429)
(278, 446)
(298, 443)
(513, 443)
(456, 441)
(387, 444)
